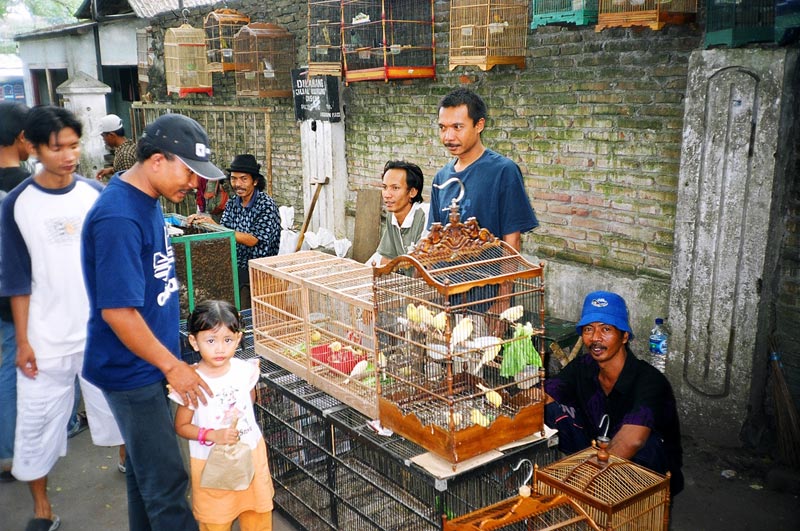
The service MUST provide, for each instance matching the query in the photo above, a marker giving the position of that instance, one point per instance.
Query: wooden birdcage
(460, 323)
(733, 23)
(485, 33)
(525, 512)
(578, 12)
(616, 493)
(185, 61)
(221, 26)
(653, 13)
(388, 39)
(313, 315)
(144, 53)
(325, 38)
(264, 57)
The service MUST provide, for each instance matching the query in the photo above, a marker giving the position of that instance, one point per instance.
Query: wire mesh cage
(144, 53)
(205, 262)
(733, 23)
(787, 21)
(460, 323)
(324, 38)
(313, 315)
(185, 61)
(221, 26)
(485, 33)
(616, 493)
(264, 55)
(653, 13)
(578, 12)
(388, 39)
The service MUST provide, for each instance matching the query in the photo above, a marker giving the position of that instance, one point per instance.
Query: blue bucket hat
(607, 308)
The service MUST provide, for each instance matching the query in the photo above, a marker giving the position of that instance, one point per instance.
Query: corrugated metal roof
(151, 8)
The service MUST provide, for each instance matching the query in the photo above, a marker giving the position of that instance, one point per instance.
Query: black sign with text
(315, 97)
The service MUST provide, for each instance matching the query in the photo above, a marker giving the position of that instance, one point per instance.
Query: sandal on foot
(44, 524)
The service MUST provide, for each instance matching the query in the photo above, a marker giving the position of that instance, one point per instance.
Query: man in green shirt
(407, 214)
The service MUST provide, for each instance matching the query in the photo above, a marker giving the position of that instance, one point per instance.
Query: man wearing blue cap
(133, 344)
(609, 380)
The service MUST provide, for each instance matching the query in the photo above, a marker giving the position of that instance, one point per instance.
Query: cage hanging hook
(448, 182)
(605, 419)
(185, 14)
(530, 470)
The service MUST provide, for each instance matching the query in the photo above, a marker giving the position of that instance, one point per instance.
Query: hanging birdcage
(459, 324)
(653, 13)
(734, 23)
(324, 38)
(221, 26)
(264, 55)
(616, 493)
(485, 33)
(185, 61)
(578, 12)
(388, 39)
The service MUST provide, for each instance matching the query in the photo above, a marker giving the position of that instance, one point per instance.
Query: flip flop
(44, 524)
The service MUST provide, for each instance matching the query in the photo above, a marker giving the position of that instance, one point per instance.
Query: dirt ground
(735, 489)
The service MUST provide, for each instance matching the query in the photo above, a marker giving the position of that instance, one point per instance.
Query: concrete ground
(88, 493)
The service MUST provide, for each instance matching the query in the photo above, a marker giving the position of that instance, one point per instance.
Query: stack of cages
(578, 12)
(733, 23)
(460, 324)
(332, 471)
(313, 315)
(526, 513)
(485, 33)
(388, 39)
(221, 26)
(325, 38)
(205, 262)
(652, 13)
(616, 493)
(264, 57)
(185, 61)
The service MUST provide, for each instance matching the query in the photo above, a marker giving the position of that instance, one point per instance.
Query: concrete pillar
(736, 143)
(85, 96)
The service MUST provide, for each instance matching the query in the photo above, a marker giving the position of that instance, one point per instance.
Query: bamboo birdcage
(185, 61)
(264, 57)
(485, 33)
(388, 39)
(313, 315)
(460, 322)
(325, 38)
(578, 12)
(221, 26)
(653, 13)
(617, 494)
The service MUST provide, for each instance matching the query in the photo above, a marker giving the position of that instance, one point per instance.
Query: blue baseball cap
(607, 308)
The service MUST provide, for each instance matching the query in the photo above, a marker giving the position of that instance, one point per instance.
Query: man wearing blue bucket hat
(610, 380)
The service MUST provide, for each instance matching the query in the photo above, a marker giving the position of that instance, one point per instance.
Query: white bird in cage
(440, 321)
(461, 332)
(512, 314)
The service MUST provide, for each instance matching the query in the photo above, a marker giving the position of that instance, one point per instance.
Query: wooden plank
(367, 231)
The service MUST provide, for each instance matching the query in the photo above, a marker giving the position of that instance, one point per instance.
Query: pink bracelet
(201, 437)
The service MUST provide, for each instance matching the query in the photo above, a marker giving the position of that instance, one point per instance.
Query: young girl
(214, 331)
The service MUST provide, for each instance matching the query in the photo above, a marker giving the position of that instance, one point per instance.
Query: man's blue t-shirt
(494, 194)
(128, 262)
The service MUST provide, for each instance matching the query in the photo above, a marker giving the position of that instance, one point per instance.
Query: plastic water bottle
(658, 346)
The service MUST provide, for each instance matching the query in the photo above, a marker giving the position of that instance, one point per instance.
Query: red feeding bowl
(343, 361)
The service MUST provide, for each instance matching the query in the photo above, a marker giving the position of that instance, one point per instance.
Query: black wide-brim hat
(246, 164)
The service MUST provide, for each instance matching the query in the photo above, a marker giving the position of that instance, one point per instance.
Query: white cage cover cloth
(264, 55)
(460, 324)
(185, 61)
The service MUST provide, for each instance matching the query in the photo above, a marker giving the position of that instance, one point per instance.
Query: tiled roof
(143, 8)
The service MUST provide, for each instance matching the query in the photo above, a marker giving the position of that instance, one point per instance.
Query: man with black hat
(608, 391)
(133, 344)
(252, 214)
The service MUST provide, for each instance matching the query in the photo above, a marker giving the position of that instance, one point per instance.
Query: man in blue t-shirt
(133, 343)
(494, 193)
